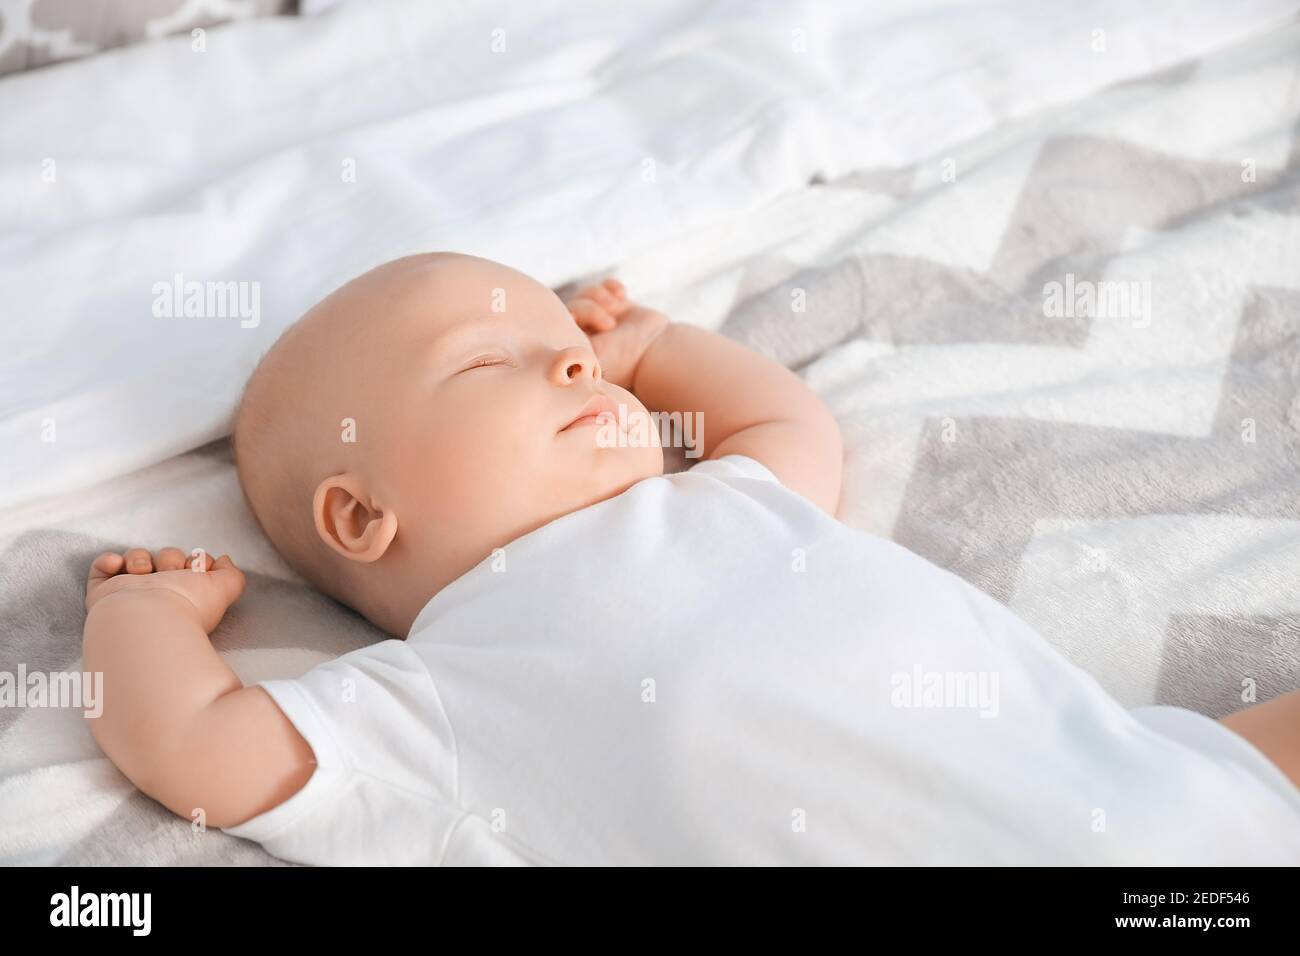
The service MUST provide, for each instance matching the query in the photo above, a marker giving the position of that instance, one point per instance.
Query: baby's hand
(620, 330)
(211, 586)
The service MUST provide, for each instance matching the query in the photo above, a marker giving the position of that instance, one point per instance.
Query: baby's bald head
(276, 445)
(430, 395)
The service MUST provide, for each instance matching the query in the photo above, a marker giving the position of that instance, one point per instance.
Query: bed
(1044, 266)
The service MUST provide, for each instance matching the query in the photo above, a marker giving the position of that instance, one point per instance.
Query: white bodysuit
(707, 669)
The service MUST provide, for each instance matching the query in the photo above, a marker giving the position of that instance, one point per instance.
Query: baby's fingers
(138, 561)
(231, 578)
(199, 560)
(169, 559)
(591, 316)
(105, 566)
(609, 295)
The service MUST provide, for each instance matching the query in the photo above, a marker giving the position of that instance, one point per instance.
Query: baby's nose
(574, 363)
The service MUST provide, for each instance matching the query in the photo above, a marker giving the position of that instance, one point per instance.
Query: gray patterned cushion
(37, 33)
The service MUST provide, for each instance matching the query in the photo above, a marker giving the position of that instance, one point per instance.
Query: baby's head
(415, 420)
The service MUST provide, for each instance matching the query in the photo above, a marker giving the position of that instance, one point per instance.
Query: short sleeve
(384, 788)
(735, 466)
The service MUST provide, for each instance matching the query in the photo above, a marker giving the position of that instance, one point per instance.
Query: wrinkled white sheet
(560, 137)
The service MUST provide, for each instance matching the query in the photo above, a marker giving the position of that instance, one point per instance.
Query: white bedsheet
(560, 137)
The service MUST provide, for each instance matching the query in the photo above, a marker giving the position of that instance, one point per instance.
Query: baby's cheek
(652, 463)
(622, 396)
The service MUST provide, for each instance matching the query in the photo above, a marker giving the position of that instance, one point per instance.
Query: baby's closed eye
(485, 361)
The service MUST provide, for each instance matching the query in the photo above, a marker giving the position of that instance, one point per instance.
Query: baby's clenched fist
(210, 586)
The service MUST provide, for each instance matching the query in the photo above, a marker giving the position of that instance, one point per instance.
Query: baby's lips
(597, 406)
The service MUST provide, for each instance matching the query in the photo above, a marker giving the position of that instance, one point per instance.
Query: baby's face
(476, 392)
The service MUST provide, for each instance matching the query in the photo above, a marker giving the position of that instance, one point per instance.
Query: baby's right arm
(176, 720)
(750, 404)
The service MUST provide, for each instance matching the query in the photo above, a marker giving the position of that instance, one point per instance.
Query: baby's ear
(349, 521)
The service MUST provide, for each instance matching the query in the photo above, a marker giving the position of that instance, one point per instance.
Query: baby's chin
(629, 463)
(602, 471)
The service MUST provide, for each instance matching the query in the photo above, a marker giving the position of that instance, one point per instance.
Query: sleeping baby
(594, 662)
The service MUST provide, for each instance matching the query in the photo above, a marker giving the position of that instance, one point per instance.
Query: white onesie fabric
(707, 669)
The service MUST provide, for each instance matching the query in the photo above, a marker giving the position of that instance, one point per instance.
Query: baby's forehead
(427, 303)
(477, 299)
(461, 286)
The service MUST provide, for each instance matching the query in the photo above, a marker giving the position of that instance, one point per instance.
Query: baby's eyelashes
(485, 361)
